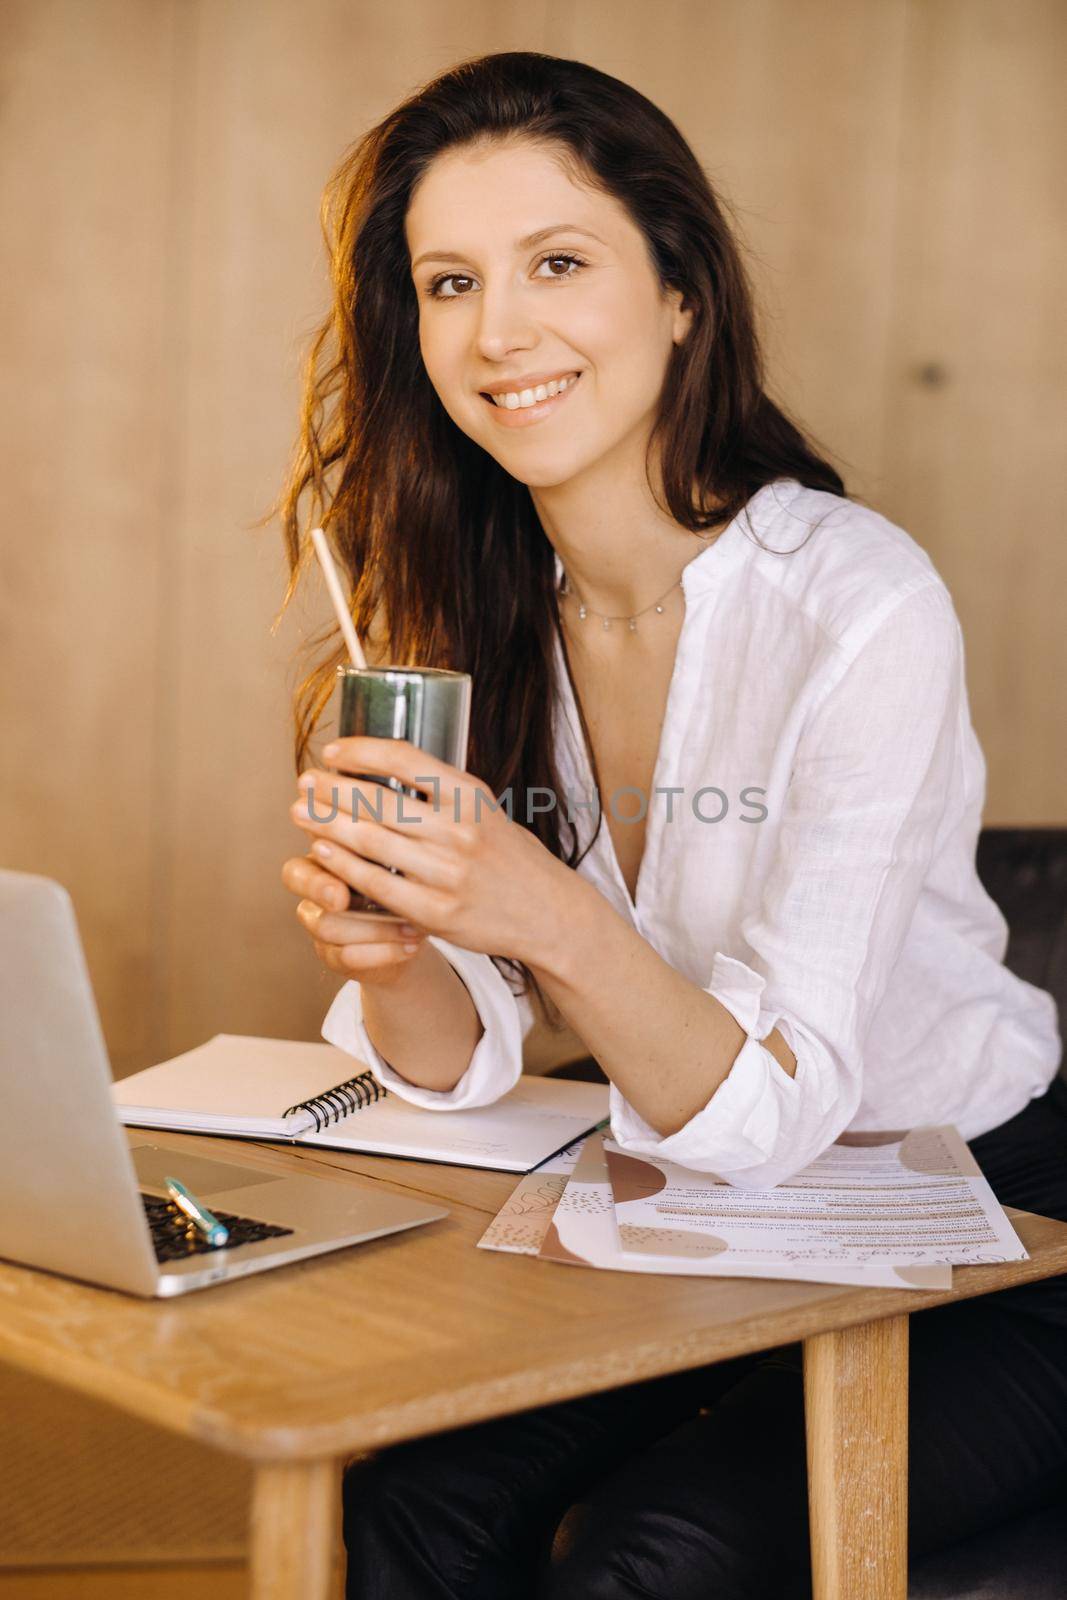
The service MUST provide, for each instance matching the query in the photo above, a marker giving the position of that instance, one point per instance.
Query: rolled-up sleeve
(496, 1063)
(863, 811)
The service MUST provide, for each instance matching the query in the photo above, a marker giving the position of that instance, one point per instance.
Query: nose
(504, 322)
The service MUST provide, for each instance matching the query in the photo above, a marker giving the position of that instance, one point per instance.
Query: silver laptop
(81, 1196)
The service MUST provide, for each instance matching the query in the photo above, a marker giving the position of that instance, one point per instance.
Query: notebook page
(234, 1084)
(537, 1117)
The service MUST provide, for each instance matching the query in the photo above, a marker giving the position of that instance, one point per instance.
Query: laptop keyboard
(174, 1237)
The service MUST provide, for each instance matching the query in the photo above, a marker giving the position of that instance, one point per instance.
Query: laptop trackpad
(199, 1173)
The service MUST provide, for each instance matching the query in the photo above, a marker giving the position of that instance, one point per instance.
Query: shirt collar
(724, 551)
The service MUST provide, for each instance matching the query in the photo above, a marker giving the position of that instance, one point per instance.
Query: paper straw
(340, 605)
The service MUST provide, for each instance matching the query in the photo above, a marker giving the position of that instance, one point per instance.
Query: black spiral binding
(341, 1100)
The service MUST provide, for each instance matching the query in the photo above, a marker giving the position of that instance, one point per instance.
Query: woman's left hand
(470, 874)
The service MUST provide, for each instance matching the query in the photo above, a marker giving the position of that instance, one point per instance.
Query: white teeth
(514, 400)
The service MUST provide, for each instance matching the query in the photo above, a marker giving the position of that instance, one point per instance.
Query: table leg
(856, 1409)
(295, 1529)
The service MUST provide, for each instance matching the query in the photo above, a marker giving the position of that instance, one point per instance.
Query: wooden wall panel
(793, 108)
(86, 123)
(278, 93)
(977, 451)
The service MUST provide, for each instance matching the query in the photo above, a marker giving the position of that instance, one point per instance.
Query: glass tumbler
(428, 706)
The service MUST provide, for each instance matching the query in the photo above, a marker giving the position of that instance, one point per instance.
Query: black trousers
(694, 1486)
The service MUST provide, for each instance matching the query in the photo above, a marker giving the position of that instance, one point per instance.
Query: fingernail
(321, 850)
(331, 750)
(411, 949)
(408, 931)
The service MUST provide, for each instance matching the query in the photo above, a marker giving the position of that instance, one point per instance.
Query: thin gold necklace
(567, 588)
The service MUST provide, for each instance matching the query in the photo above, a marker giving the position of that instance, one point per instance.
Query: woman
(537, 431)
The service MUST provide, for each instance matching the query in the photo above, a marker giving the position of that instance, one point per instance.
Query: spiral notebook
(308, 1094)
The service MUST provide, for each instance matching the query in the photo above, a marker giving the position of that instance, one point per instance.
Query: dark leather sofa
(1025, 871)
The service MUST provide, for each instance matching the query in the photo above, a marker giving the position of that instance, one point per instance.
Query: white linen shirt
(825, 686)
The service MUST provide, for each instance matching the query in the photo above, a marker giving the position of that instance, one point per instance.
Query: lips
(531, 416)
(533, 381)
(527, 416)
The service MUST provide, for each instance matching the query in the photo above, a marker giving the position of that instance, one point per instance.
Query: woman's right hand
(371, 949)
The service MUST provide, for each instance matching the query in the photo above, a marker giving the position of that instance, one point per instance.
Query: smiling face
(528, 281)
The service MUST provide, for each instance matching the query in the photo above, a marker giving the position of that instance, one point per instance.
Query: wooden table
(301, 1368)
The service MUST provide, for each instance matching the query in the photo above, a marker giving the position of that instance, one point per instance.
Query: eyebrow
(520, 244)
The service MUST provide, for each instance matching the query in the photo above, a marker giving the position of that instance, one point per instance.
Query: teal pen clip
(213, 1230)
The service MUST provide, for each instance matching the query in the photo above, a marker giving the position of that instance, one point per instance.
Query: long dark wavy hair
(444, 551)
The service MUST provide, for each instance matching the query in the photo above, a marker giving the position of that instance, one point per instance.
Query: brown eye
(572, 265)
(436, 290)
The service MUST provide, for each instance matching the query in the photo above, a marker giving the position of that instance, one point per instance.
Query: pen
(598, 1129)
(212, 1229)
